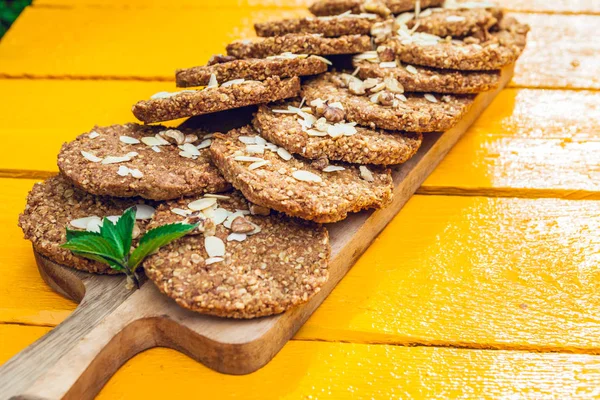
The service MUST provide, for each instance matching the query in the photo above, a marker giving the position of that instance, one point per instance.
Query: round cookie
(412, 112)
(314, 191)
(135, 160)
(497, 49)
(166, 106)
(307, 132)
(225, 69)
(282, 263)
(299, 43)
(334, 26)
(54, 204)
(381, 7)
(415, 78)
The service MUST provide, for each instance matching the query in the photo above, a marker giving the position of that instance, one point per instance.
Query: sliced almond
(90, 157)
(333, 168)
(284, 154)
(237, 237)
(258, 164)
(214, 246)
(144, 211)
(190, 148)
(202, 204)
(129, 140)
(366, 174)
(306, 176)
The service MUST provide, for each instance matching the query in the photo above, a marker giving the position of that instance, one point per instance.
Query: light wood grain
(163, 39)
(78, 357)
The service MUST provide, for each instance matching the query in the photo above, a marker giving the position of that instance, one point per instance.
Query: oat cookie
(299, 43)
(283, 65)
(496, 50)
(243, 265)
(153, 162)
(314, 191)
(309, 133)
(381, 7)
(166, 106)
(333, 26)
(383, 104)
(453, 22)
(55, 204)
(415, 78)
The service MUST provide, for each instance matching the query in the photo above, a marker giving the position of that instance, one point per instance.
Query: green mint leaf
(108, 230)
(124, 228)
(72, 234)
(96, 246)
(100, 259)
(155, 239)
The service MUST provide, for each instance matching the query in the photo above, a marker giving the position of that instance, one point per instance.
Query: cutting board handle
(98, 296)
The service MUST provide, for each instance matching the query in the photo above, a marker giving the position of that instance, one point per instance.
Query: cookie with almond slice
(381, 7)
(299, 43)
(415, 78)
(312, 190)
(308, 133)
(501, 47)
(259, 69)
(55, 204)
(235, 93)
(332, 26)
(245, 265)
(153, 162)
(383, 104)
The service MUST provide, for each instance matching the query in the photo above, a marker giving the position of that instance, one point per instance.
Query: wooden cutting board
(112, 324)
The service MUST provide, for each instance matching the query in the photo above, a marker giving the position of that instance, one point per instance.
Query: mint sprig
(112, 245)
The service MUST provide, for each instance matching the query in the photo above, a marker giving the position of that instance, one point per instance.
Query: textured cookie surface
(353, 24)
(53, 205)
(498, 49)
(381, 7)
(299, 134)
(455, 23)
(296, 186)
(299, 43)
(413, 112)
(415, 78)
(187, 103)
(134, 160)
(280, 264)
(283, 66)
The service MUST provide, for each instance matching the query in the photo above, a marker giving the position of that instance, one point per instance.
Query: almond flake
(247, 139)
(388, 64)
(204, 144)
(247, 159)
(155, 148)
(116, 159)
(339, 129)
(393, 85)
(430, 98)
(259, 140)
(123, 171)
(220, 215)
(181, 212)
(190, 148)
(94, 225)
(411, 69)
(366, 174)
(144, 211)
(238, 237)
(136, 173)
(306, 176)
(82, 223)
(258, 164)
(333, 168)
(455, 18)
(212, 82)
(217, 196)
(283, 153)
(166, 95)
(128, 140)
(202, 204)
(255, 148)
(326, 61)
(152, 141)
(185, 154)
(90, 157)
(177, 136)
(314, 132)
(93, 135)
(232, 82)
(213, 260)
(214, 246)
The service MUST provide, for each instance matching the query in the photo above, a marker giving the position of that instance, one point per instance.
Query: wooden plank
(25, 298)
(509, 151)
(560, 53)
(79, 356)
(314, 370)
(476, 272)
(546, 6)
(332, 370)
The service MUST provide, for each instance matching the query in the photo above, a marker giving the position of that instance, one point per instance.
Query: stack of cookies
(317, 147)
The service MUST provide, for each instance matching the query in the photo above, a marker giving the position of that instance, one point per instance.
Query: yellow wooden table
(487, 284)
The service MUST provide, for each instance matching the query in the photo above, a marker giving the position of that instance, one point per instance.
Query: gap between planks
(521, 193)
